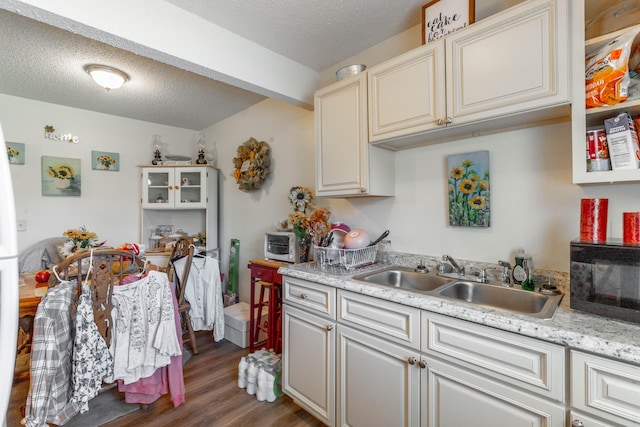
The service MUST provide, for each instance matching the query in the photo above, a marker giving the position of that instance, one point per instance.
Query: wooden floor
(212, 397)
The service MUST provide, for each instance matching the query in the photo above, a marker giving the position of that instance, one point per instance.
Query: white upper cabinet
(612, 13)
(507, 71)
(512, 62)
(345, 163)
(406, 93)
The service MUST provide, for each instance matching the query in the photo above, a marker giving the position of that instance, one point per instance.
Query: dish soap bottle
(523, 270)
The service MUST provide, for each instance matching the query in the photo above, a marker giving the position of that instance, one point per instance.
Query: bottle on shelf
(523, 270)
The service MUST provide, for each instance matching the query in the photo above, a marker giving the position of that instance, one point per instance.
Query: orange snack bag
(606, 72)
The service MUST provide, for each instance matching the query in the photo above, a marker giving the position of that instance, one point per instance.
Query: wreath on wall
(251, 164)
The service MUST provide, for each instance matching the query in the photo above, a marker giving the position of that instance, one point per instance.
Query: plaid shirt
(49, 398)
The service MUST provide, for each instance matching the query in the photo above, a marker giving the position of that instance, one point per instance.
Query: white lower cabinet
(355, 360)
(308, 347)
(458, 397)
(604, 389)
(378, 381)
(578, 419)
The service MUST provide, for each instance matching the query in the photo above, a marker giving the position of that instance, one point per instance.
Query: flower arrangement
(300, 198)
(106, 160)
(62, 171)
(469, 196)
(200, 239)
(311, 227)
(12, 153)
(251, 164)
(79, 239)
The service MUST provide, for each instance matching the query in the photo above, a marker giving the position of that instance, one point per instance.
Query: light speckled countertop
(597, 334)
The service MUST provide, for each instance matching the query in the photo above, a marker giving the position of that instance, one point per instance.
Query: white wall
(247, 215)
(109, 204)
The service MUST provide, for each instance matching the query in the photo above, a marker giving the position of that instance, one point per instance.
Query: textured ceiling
(44, 62)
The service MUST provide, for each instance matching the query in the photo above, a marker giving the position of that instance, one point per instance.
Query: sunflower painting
(469, 192)
(60, 176)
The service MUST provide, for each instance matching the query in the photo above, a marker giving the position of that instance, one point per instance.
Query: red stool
(269, 297)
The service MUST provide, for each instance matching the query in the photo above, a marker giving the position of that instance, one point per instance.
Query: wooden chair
(183, 249)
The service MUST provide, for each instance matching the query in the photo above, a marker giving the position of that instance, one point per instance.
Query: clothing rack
(103, 268)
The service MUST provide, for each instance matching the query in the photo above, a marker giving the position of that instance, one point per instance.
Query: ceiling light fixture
(107, 77)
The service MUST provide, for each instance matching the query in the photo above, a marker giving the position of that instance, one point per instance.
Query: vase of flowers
(105, 161)
(13, 154)
(62, 175)
(80, 239)
(200, 240)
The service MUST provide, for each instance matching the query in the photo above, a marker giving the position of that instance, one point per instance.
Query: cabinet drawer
(606, 388)
(317, 298)
(529, 363)
(382, 318)
(261, 273)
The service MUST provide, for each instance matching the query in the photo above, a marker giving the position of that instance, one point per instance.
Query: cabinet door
(513, 63)
(308, 362)
(342, 150)
(578, 419)
(190, 188)
(606, 388)
(406, 93)
(158, 188)
(458, 397)
(378, 382)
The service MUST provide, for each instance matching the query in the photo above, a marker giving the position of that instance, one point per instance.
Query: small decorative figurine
(157, 158)
(201, 160)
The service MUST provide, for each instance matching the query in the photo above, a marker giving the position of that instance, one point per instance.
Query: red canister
(631, 227)
(597, 151)
(593, 220)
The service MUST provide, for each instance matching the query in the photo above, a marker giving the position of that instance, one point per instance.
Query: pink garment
(164, 380)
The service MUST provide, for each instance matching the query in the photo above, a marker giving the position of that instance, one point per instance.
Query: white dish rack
(348, 258)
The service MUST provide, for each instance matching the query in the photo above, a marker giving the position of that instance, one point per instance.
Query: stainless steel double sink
(496, 296)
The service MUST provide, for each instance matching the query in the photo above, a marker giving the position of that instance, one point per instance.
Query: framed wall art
(469, 190)
(442, 17)
(102, 160)
(60, 176)
(16, 152)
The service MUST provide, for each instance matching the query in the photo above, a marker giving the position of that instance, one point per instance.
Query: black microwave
(605, 279)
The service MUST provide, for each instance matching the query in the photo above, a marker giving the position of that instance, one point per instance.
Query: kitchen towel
(593, 220)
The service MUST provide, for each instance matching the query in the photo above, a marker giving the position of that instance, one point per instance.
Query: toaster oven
(281, 246)
(605, 279)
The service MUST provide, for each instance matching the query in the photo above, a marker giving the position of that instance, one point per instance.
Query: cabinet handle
(422, 364)
(577, 423)
(329, 327)
(412, 361)
(449, 120)
(304, 296)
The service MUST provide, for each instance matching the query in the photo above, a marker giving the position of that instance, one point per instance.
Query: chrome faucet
(506, 273)
(454, 264)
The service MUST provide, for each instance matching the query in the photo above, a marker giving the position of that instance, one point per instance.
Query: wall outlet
(22, 224)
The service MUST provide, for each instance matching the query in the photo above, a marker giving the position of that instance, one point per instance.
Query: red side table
(264, 273)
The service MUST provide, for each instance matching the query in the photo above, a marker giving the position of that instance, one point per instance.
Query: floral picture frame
(469, 191)
(442, 17)
(104, 160)
(61, 176)
(16, 153)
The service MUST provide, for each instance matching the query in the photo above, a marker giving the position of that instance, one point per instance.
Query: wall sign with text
(442, 17)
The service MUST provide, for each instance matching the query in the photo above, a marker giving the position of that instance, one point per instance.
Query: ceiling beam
(163, 32)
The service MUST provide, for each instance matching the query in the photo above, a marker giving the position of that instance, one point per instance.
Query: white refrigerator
(9, 293)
